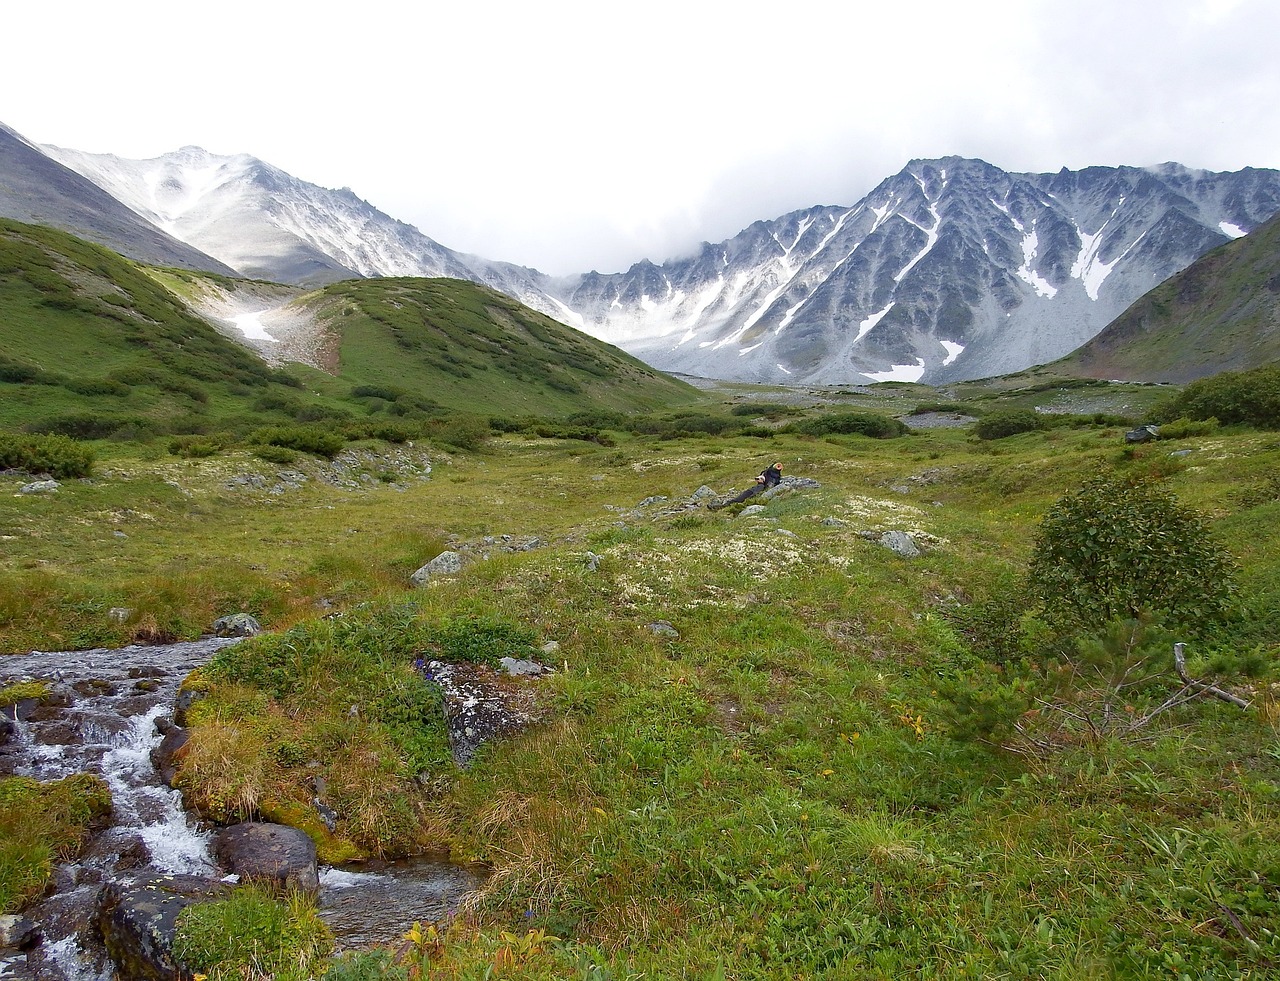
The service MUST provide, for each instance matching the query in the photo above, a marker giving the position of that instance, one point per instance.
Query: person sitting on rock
(769, 477)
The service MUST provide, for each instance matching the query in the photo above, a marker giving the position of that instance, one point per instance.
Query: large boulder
(138, 919)
(480, 705)
(271, 853)
(445, 564)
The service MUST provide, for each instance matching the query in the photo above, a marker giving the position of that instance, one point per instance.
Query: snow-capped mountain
(41, 191)
(951, 269)
(267, 224)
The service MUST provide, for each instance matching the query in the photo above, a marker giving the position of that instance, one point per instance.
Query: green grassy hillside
(1222, 313)
(95, 346)
(470, 348)
(90, 346)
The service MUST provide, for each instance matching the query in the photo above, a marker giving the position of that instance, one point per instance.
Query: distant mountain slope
(951, 269)
(1221, 313)
(91, 345)
(38, 190)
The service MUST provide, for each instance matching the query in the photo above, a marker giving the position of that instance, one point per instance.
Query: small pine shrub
(1007, 422)
(58, 456)
(849, 424)
(305, 439)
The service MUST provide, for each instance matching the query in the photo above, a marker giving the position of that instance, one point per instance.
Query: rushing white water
(103, 715)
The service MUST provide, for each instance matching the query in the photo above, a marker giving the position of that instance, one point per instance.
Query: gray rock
(752, 509)
(592, 562)
(119, 614)
(663, 629)
(272, 853)
(165, 757)
(900, 543)
(478, 709)
(1142, 434)
(236, 625)
(447, 563)
(40, 487)
(550, 647)
(17, 932)
(651, 500)
(518, 668)
(833, 523)
(137, 920)
(1180, 453)
(703, 493)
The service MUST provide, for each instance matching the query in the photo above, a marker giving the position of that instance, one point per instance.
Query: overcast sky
(572, 135)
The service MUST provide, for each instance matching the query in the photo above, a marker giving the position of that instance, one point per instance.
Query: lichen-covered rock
(236, 625)
(272, 853)
(137, 921)
(445, 564)
(480, 705)
(900, 543)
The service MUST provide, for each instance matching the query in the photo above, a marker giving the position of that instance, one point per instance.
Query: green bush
(1117, 548)
(1248, 397)
(58, 456)
(305, 439)
(194, 447)
(849, 424)
(1185, 428)
(1007, 422)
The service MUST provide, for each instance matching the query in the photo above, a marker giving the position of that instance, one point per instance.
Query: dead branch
(1180, 665)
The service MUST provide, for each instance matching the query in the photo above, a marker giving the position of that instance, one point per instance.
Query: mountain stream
(101, 717)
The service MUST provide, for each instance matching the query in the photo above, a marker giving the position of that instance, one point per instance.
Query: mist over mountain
(951, 269)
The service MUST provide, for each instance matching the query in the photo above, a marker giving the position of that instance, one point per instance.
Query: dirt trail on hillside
(287, 329)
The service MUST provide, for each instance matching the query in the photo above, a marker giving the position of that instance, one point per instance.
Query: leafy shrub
(1116, 548)
(305, 439)
(1007, 422)
(849, 423)
(194, 447)
(1248, 397)
(482, 640)
(1185, 428)
(58, 456)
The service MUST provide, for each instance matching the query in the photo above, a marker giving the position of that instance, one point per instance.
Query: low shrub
(1185, 428)
(1119, 549)
(305, 439)
(849, 423)
(58, 456)
(1232, 397)
(1007, 422)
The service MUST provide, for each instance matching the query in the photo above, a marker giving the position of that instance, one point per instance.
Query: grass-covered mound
(40, 824)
